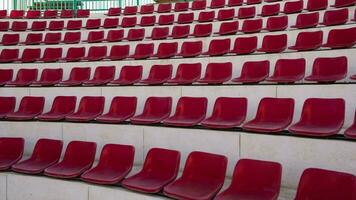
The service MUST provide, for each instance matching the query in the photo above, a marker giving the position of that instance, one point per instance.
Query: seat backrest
(167, 48)
(53, 38)
(56, 25)
(55, 53)
(277, 23)
(11, 148)
(120, 50)
(30, 54)
(206, 16)
(131, 72)
(192, 107)
(293, 7)
(309, 38)
(91, 104)
(330, 66)
(80, 73)
(80, 153)
(148, 20)
(246, 12)
(270, 9)
(93, 23)
(130, 10)
(15, 14)
(51, 74)
(219, 45)
(217, 4)
(115, 35)
(166, 19)
(202, 30)
(104, 72)
(159, 33)
(181, 6)
(230, 107)
(190, 71)
(128, 21)
(114, 11)
(117, 156)
(198, 5)
(274, 41)
(136, 34)
(275, 110)
(290, 67)
(219, 71)
(31, 104)
(7, 104)
(342, 36)
(83, 13)
(97, 51)
(232, 3)
(336, 17)
(33, 14)
(34, 38)
(147, 9)
(307, 19)
(27, 75)
(50, 14)
(47, 150)
(255, 69)
(157, 106)
(111, 22)
(9, 54)
(180, 31)
(6, 75)
(245, 45)
(160, 72)
(67, 13)
(144, 49)
(123, 105)
(252, 25)
(64, 104)
(95, 36)
(76, 52)
(72, 37)
(10, 39)
(38, 25)
(313, 5)
(164, 7)
(191, 47)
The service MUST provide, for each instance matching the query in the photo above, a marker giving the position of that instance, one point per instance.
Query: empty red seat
(143, 51)
(291, 7)
(343, 3)
(77, 76)
(50, 14)
(186, 74)
(114, 11)
(307, 41)
(4, 25)
(329, 69)
(350, 132)
(147, 9)
(320, 117)
(335, 17)
(89, 108)
(325, 184)
(246, 12)
(93, 24)
(5, 76)
(159, 33)
(190, 111)
(160, 168)
(111, 23)
(218, 47)
(273, 115)
(52, 55)
(155, 110)
(95, 36)
(67, 13)
(270, 10)
(135, 34)
(46, 152)
(180, 32)
(148, 20)
(49, 77)
(158, 75)
(202, 30)
(164, 7)
(30, 55)
(121, 109)
(306, 20)
(129, 75)
(130, 10)
(119, 52)
(7, 104)
(128, 22)
(217, 73)
(30, 107)
(61, 107)
(191, 49)
(202, 178)
(19, 26)
(115, 35)
(245, 45)
(33, 39)
(83, 13)
(252, 26)
(313, 5)
(10, 39)
(253, 72)
(217, 4)
(185, 18)
(279, 23)
(56, 25)
(24, 77)
(254, 179)
(341, 38)
(228, 28)
(74, 25)
(233, 3)
(9, 55)
(166, 50)
(38, 26)
(166, 19)
(11, 151)
(102, 76)
(226, 14)
(273, 43)
(228, 112)
(181, 6)
(72, 37)
(206, 16)
(53, 38)
(78, 157)
(3, 14)
(17, 14)
(288, 71)
(198, 5)
(33, 14)
(75, 54)
(250, 2)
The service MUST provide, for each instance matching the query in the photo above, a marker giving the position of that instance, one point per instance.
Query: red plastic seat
(198, 5)
(147, 9)
(135, 34)
(77, 76)
(5, 76)
(128, 22)
(102, 76)
(50, 14)
(38, 26)
(160, 168)
(341, 38)
(74, 25)
(350, 132)
(226, 14)
(246, 12)
(115, 162)
(17, 14)
(217, 4)
(218, 47)
(159, 33)
(72, 37)
(56, 25)
(291, 7)
(273, 115)
(202, 30)
(181, 6)
(121, 109)
(7, 104)
(217, 73)
(166, 19)
(129, 75)
(252, 26)
(273, 43)
(206, 16)
(4, 26)
(185, 18)
(33, 39)
(307, 20)
(24, 77)
(253, 72)
(180, 32)
(143, 51)
(288, 71)
(119, 52)
(114, 12)
(335, 17)
(343, 3)
(11, 151)
(233, 3)
(190, 111)
(148, 20)
(317, 184)
(33, 14)
(155, 110)
(90, 107)
(30, 107)
(52, 55)
(95, 36)
(93, 24)
(202, 178)
(111, 23)
(115, 36)
(30, 55)
(279, 23)
(78, 158)
(251, 2)
(326, 70)
(270, 10)
(254, 179)
(83, 13)
(75, 54)
(130, 10)
(158, 75)
(3, 14)
(228, 28)
(191, 49)
(49, 77)
(313, 5)
(228, 112)
(10, 39)
(19, 26)
(9, 55)
(67, 14)
(166, 50)
(164, 7)
(61, 107)
(47, 152)
(307, 41)
(186, 74)
(53, 38)
(320, 118)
